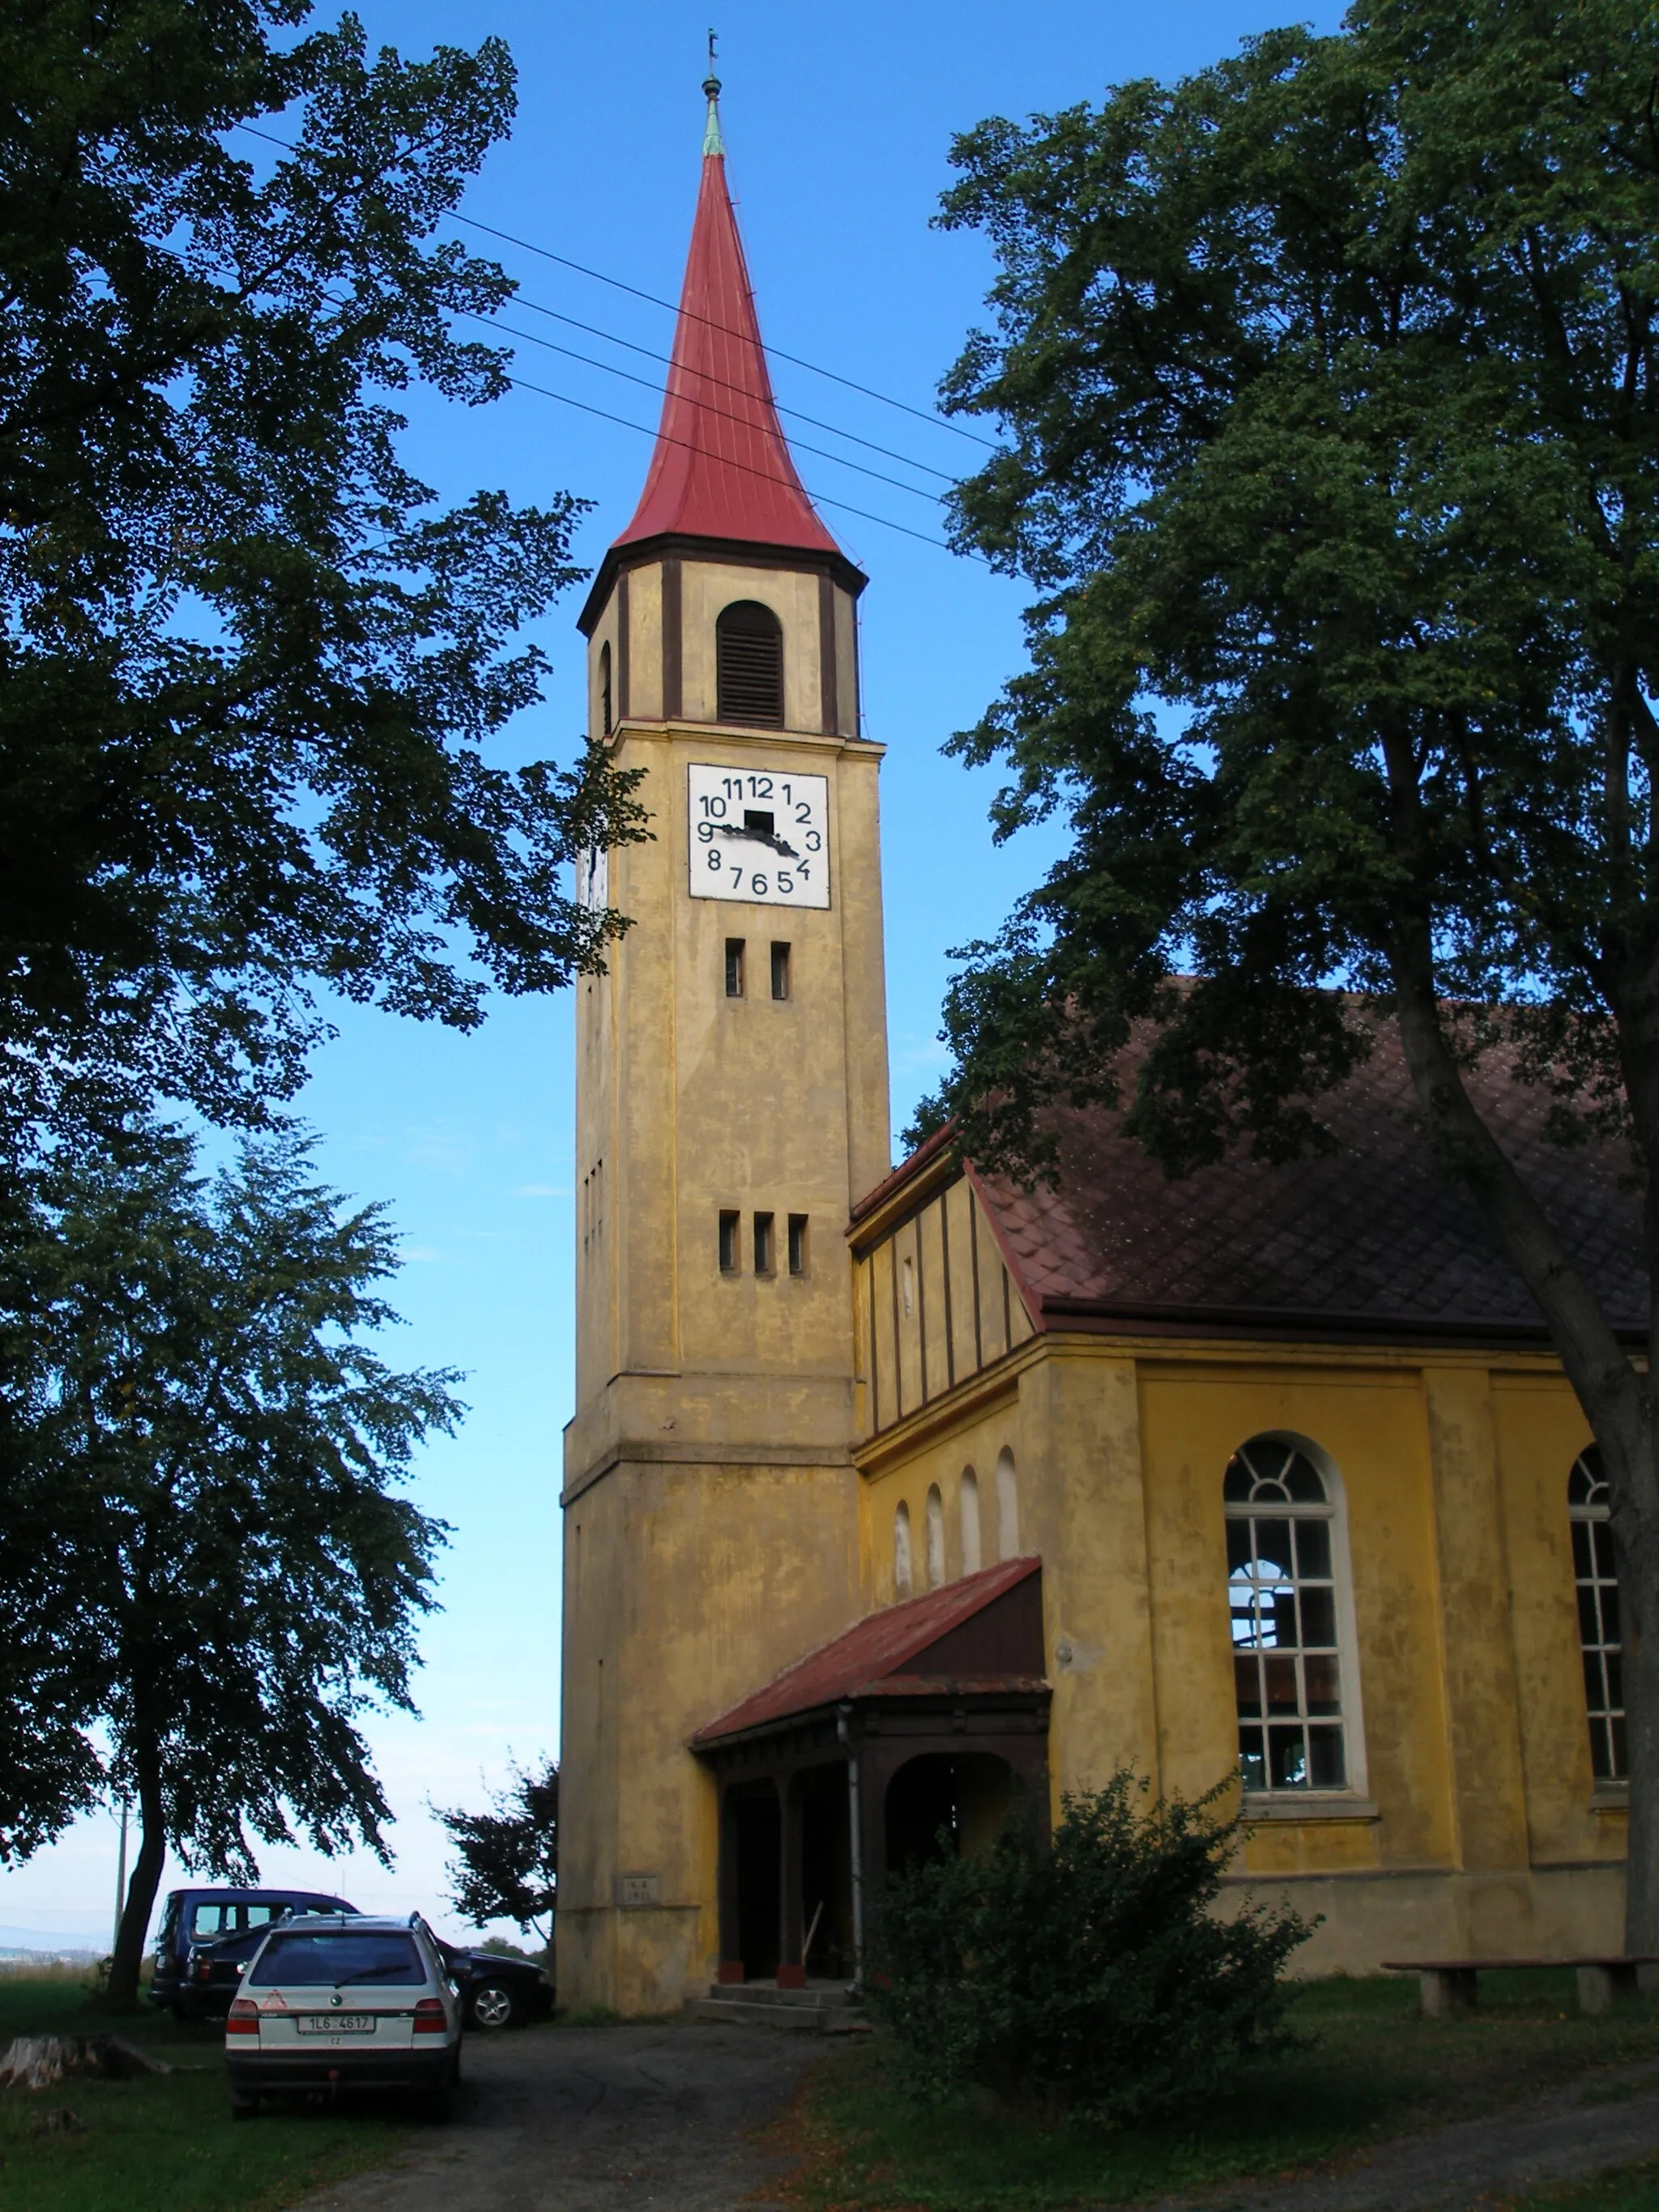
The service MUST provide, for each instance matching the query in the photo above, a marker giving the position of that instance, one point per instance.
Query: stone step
(836, 1995)
(781, 2019)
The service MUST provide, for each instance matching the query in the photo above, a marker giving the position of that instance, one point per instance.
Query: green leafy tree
(249, 669)
(1085, 1969)
(505, 1865)
(1328, 376)
(187, 1368)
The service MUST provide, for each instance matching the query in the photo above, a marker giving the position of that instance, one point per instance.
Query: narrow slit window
(798, 1243)
(734, 967)
(748, 666)
(1601, 1638)
(779, 971)
(729, 1224)
(762, 1244)
(604, 688)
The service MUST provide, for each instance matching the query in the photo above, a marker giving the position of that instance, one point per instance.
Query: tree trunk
(146, 1880)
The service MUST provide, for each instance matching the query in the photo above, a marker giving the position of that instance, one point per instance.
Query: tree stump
(40, 2061)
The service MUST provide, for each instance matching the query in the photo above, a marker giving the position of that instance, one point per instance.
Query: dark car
(497, 1992)
(194, 1920)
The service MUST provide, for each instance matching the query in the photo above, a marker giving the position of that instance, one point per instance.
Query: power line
(725, 414)
(932, 416)
(523, 384)
(650, 353)
(937, 421)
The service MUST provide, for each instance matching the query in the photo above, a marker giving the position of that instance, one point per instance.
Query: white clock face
(761, 835)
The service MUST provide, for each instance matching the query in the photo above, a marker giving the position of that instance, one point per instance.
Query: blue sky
(837, 123)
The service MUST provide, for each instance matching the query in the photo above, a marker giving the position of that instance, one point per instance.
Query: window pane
(1252, 1765)
(1614, 1663)
(1313, 1549)
(1288, 1758)
(1600, 1536)
(210, 1920)
(1325, 1768)
(1279, 1616)
(1238, 1545)
(1247, 1689)
(1589, 1628)
(1601, 1767)
(1272, 1547)
(1318, 1617)
(1236, 1483)
(1594, 1701)
(1281, 1684)
(1324, 1691)
(1302, 1479)
(1619, 1767)
(257, 1915)
(315, 1961)
(1581, 1550)
(1610, 1634)
(1242, 1615)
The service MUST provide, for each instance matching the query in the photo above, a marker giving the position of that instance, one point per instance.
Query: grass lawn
(165, 2143)
(1373, 2070)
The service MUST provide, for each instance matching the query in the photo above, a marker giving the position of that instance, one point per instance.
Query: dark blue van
(191, 1918)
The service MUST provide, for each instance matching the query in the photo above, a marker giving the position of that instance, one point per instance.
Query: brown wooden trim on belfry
(673, 638)
(622, 650)
(729, 552)
(830, 708)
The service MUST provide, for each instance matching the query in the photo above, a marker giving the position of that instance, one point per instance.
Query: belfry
(899, 1502)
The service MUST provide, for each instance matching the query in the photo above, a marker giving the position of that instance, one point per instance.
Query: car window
(324, 1958)
(169, 1927)
(208, 1921)
(257, 1915)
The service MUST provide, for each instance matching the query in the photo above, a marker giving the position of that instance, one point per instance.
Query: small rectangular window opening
(759, 822)
(734, 967)
(779, 971)
(798, 1243)
(729, 1240)
(763, 1262)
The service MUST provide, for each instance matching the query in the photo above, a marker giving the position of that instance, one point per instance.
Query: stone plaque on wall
(638, 1889)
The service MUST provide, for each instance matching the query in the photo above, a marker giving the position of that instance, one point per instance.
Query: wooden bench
(1448, 1985)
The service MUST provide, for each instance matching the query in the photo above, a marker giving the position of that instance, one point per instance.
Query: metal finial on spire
(712, 140)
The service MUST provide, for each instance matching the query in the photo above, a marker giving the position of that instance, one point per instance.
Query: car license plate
(335, 2023)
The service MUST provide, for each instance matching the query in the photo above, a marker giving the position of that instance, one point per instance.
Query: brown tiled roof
(1370, 1236)
(878, 1655)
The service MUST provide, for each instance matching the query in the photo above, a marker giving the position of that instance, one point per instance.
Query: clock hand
(758, 837)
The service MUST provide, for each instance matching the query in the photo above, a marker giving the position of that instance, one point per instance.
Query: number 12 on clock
(757, 834)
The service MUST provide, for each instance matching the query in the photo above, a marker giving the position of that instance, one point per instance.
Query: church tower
(731, 1104)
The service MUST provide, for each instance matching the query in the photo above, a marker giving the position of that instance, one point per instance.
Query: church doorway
(826, 1873)
(945, 1804)
(755, 1827)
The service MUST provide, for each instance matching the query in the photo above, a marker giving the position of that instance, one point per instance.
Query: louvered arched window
(748, 664)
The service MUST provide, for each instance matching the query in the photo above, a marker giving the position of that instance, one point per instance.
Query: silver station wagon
(335, 2003)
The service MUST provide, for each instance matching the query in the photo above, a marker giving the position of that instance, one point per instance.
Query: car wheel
(244, 2104)
(491, 2004)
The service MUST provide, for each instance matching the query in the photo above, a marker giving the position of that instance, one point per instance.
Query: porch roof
(973, 1637)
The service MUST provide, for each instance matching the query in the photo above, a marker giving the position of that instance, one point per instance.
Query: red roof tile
(876, 1657)
(1370, 1234)
(721, 467)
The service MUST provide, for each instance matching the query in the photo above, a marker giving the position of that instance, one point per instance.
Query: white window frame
(1596, 1511)
(1350, 1707)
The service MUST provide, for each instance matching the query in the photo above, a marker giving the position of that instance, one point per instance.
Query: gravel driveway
(586, 2119)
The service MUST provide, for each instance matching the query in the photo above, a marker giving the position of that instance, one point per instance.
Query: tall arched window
(1007, 1506)
(748, 664)
(604, 688)
(968, 1504)
(935, 1537)
(1282, 1593)
(901, 1570)
(1599, 1633)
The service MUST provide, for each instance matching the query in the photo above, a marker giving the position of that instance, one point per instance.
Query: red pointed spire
(721, 467)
